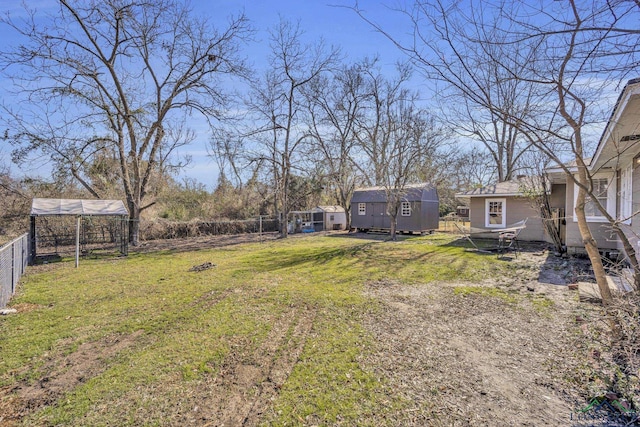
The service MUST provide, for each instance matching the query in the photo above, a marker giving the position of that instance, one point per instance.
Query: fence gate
(13, 262)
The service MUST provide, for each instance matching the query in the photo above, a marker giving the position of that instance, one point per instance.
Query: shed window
(495, 213)
(362, 208)
(405, 209)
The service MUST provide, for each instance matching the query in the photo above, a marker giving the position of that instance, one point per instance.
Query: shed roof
(42, 207)
(414, 192)
(330, 208)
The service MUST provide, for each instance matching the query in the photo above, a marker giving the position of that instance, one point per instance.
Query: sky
(326, 19)
(331, 20)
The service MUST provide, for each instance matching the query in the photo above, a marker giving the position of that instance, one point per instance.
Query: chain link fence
(13, 263)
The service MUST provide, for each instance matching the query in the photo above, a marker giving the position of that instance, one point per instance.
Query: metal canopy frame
(80, 208)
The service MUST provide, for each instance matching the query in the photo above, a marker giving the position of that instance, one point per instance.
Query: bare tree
(336, 104)
(473, 168)
(561, 54)
(374, 128)
(477, 97)
(277, 103)
(579, 44)
(394, 137)
(120, 75)
(411, 137)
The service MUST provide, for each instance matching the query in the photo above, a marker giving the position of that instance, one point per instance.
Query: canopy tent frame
(80, 209)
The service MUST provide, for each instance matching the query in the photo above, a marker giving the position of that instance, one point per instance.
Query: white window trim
(487, 221)
(626, 194)
(611, 198)
(404, 208)
(362, 208)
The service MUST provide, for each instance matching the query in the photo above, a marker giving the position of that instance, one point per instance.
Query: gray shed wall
(424, 213)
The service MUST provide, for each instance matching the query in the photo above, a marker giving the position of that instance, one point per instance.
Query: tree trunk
(394, 226)
(284, 233)
(134, 224)
(590, 243)
(544, 208)
(393, 218)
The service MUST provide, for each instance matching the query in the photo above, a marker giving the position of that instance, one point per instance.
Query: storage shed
(419, 210)
(334, 217)
(321, 218)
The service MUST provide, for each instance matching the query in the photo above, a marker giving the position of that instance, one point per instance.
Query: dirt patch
(245, 385)
(60, 375)
(25, 307)
(477, 359)
(242, 389)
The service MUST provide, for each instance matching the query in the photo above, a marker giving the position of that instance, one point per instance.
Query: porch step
(618, 284)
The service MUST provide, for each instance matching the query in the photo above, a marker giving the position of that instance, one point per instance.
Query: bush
(165, 229)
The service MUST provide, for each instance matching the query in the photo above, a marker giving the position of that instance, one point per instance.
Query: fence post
(32, 240)
(13, 267)
(78, 223)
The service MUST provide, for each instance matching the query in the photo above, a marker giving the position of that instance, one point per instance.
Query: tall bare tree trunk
(134, 224)
(393, 217)
(589, 242)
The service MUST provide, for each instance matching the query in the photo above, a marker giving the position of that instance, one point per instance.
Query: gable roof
(332, 208)
(618, 143)
(423, 192)
(42, 207)
(516, 187)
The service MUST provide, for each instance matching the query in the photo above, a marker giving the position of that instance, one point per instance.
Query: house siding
(517, 209)
(632, 230)
(476, 212)
(635, 191)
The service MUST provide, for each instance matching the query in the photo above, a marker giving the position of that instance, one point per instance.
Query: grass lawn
(271, 335)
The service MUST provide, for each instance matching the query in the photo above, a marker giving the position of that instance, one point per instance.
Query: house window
(331, 218)
(604, 190)
(600, 186)
(362, 208)
(496, 215)
(405, 209)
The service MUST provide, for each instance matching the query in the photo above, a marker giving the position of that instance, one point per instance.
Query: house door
(560, 221)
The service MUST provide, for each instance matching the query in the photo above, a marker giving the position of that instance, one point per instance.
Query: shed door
(379, 215)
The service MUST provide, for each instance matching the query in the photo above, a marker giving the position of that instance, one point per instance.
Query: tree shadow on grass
(308, 256)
